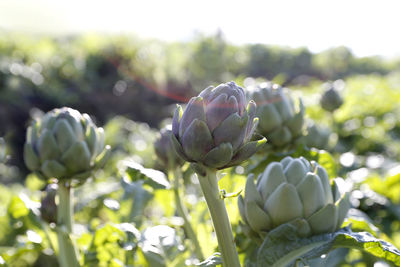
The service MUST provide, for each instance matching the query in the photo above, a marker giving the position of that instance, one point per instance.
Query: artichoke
(165, 151)
(289, 190)
(281, 121)
(65, 144)
(331, 99)
(317, 136)
(48, 207)
(216, 128)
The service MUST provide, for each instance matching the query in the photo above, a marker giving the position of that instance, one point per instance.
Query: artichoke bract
(331, 99)
(281, 121)
(65, 144)
(216, 128)
(289, 190)
(165, 151)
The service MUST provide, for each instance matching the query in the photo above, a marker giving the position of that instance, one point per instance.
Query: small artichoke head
(317, 136)
(331, 99)
(281, 121)
(65, 144)
(167, 157)
(289, 190)
(216, 128)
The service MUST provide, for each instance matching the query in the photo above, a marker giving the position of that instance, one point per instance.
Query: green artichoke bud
(317, 136)
(293, 189)
(2, 150)
(65, 144)
(216, 128)
(48, 207)
(165, 151)
(331, 99)
(281, 121)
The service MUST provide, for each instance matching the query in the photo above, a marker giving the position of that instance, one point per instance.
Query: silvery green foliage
(281, 121)
(65, 144)
(216, 127)
(316, 136)
(293, 189)
(165, 151)
(331, 99)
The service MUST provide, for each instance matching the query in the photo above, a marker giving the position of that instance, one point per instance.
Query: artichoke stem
(182, 212)
(67, 253)
(220, 219)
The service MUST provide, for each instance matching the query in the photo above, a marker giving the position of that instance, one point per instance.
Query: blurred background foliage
(130, 87)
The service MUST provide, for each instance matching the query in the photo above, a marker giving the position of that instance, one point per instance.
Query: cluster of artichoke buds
(317, 136)
(331, 98)
(216, 128)
(65, 144)
(168, 159)
(289, 190)
(281, 121)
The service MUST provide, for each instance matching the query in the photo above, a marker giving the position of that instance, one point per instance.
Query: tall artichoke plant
(65, 144)
(281, 120)
(68, 146)
(291, 189)
(215, 132)
(331, 99)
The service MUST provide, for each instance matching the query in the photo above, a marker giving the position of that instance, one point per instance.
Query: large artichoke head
(165, 151)
(281, 121)
(293, 189)
(65, 144)
(331, 99)
(216, 128)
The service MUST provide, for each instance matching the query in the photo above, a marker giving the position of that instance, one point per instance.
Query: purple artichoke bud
(216, 128)
(48, 207)
(65, 144)
(331, 99)
(165, 150)
(281, 121)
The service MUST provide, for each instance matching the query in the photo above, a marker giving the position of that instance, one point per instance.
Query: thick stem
(220, 219)
(182, 212)
(67, 253)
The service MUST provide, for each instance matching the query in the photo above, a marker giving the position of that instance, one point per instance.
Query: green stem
(67, 253)
(182, 212)
(220, 219)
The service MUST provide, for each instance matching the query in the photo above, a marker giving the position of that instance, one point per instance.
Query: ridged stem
(67, 253)
(220, 219)
(183, 213)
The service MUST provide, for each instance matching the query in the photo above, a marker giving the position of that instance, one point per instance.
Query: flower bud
(331, 99)
(281, 121)
(293, 189)
(167, 157)
(48, 207)
(317, 136)
(65, 144)
(216, 128)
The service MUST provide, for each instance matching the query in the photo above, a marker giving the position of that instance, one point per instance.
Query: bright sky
(367, 27)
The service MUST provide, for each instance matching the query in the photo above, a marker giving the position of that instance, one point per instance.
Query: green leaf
(151, 177)
(283, 246)
(214, 260)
